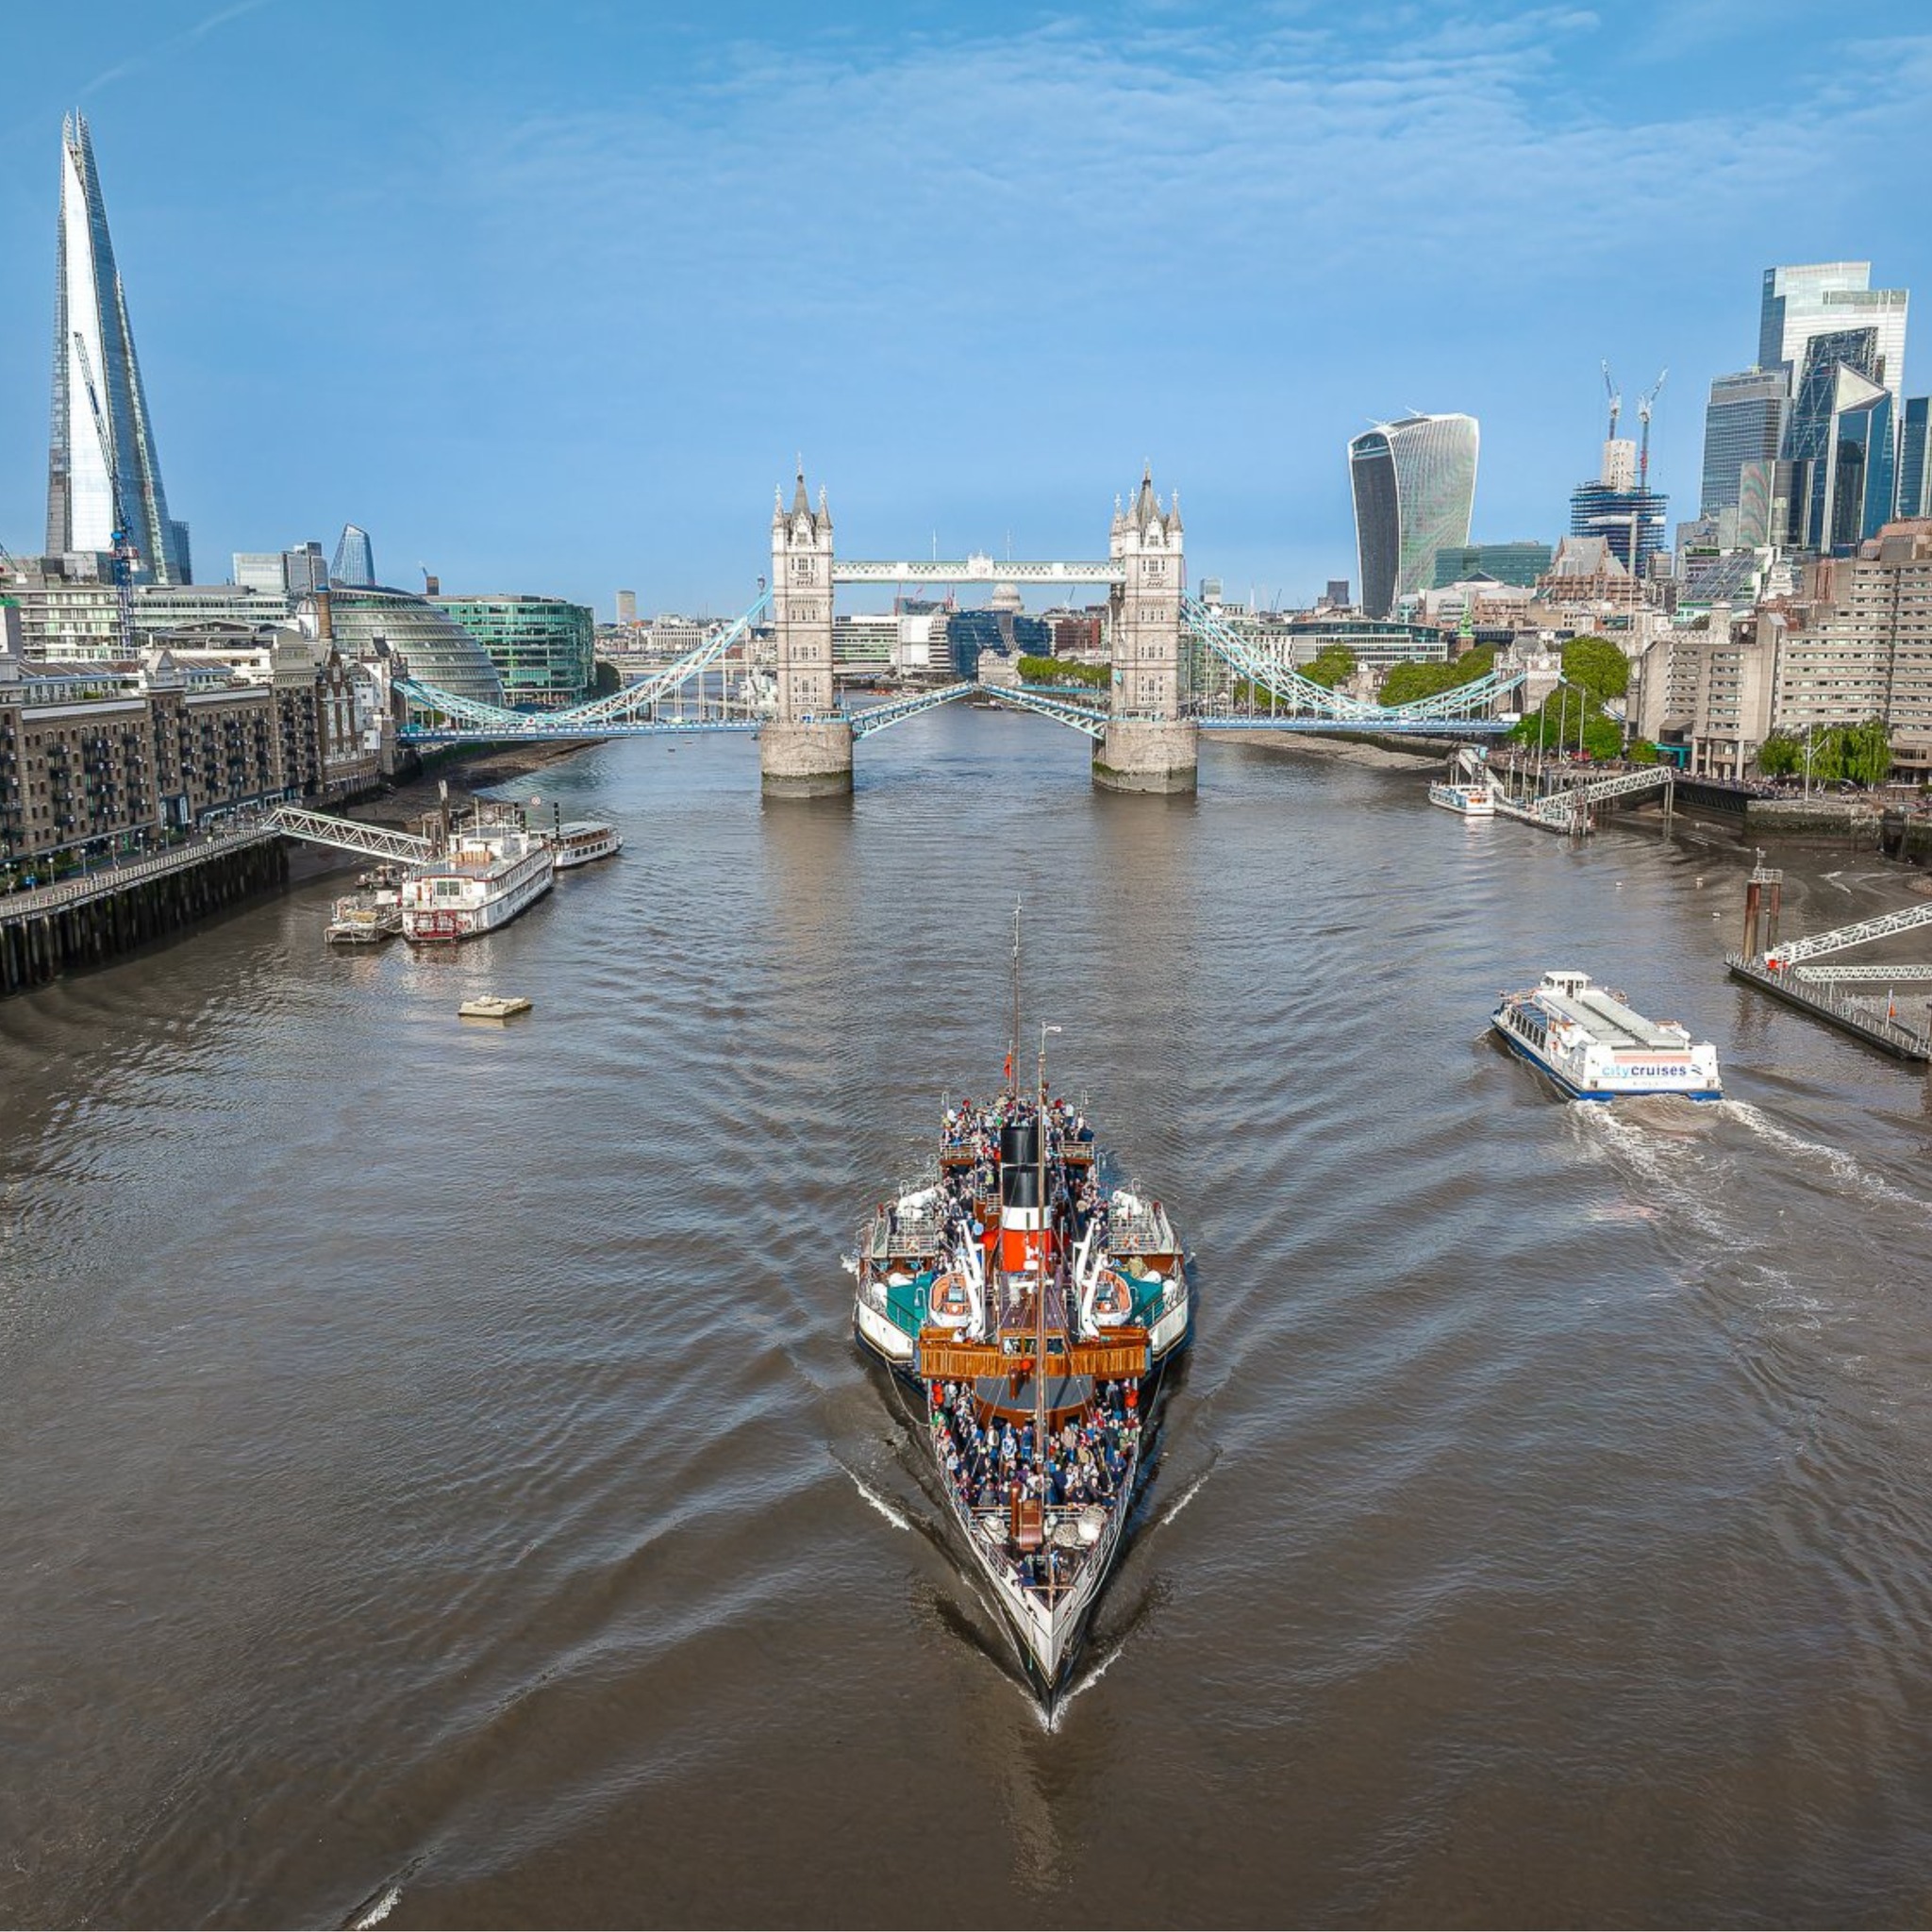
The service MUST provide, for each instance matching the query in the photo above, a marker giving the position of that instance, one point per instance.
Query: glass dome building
(433, 646)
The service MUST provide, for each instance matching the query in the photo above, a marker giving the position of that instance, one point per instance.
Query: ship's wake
(382, 1901)
(1845, 1169)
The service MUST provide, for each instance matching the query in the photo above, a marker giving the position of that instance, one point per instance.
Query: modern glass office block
(1414, 488)
(103, 443)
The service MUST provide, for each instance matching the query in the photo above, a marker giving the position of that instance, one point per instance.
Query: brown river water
(438, 1483)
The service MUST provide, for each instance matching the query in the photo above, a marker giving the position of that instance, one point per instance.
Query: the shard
(103, 443)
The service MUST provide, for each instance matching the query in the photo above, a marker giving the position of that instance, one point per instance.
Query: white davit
(1595, 1047)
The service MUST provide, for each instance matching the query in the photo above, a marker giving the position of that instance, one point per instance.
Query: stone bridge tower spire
(1149, 746)
(807, 750)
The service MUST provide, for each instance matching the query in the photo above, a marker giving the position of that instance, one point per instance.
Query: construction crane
(124, 552)
(1643, 409)
(1616, 396)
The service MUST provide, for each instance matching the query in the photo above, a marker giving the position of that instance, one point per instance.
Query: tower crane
(125, 552)
(1616, 396)
(1643, 409)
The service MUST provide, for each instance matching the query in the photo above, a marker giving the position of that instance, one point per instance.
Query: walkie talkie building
(1414, 484)
(101, 433)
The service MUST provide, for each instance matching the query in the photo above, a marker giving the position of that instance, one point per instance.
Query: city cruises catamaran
(1034, 1304)
(1596, 1047)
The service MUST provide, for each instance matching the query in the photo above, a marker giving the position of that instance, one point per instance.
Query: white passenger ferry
(582, 841)
(1466, 788)
(1595, 1047)
(1473, 799)
(487, 874)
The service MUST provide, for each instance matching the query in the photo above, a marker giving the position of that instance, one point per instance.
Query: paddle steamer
(1033, 1304)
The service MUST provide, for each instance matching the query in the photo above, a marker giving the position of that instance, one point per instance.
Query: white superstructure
(1595, 1047)
(1473, 799)
(582, 841)
(489, 874)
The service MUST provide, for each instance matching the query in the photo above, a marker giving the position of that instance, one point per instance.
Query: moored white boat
(1473, 800)
(371, 914)
(1466, 787)
(491, 872)
(1596, 1047)
(583, 842)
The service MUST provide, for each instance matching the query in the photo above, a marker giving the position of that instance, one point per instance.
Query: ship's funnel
(1020, 1152)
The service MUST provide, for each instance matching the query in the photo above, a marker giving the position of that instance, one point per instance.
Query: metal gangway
(347, 835)
(1784, 970)
(1569, 808)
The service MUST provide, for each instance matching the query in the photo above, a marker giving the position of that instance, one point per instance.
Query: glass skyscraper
(1414, 486)
(101, 435)
(1744, 423)
(1839, 442)
(1617, 515)
(355, 563)
(1915, 460)
(1824, 299)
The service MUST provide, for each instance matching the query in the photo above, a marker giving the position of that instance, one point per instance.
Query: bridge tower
(1149, 746)
(805, 751)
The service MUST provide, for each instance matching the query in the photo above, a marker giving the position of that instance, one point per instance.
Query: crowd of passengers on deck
(990, 1460)
(976, 1128)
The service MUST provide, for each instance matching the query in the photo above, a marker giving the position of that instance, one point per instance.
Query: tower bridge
(1144, 728)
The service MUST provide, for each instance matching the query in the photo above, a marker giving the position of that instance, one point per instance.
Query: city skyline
(1130, 232)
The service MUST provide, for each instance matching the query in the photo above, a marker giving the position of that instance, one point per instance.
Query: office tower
(1743, 423)
(103, 443)
(1337, 594)
(1824, 299)
(304, 569)
(1839, 442)
(626, 607)
(1414, 485)
(1915, 460)
(262, 570)
(543, 648)
(355, 564)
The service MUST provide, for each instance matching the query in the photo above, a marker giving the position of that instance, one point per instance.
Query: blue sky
(549, 296)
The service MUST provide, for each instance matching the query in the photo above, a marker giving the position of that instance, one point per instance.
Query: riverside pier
(1786, 973)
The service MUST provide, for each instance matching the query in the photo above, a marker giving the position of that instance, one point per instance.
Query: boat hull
(1575, 1089)
(442, 926)
(1049, 1642)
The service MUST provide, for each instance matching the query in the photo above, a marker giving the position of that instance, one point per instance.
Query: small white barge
(1466, 788)
(1595, 1047)
(1474, 800)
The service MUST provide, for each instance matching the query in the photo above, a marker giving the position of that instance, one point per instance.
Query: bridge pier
(812, 761)
(1146, 755)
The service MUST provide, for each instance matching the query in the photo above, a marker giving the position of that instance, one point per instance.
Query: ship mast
(1040, 1272)
(1013, 1039)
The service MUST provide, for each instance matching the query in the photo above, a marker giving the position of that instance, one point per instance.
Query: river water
(439, 1479)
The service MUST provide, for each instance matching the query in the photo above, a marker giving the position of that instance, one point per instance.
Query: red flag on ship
(1009, 1070)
